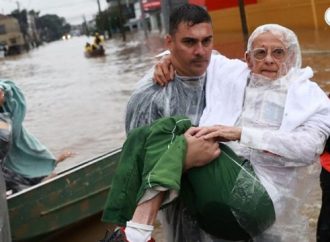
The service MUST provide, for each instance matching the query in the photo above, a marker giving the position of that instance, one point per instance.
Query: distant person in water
(97, 39)
(88, 47)
(97, 44)
(28, 162)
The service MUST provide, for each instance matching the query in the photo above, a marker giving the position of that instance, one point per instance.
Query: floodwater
(75, 103)
(78, 104)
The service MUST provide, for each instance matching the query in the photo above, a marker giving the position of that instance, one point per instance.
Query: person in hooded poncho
(281, 128)
(279, 120)
(28, 161)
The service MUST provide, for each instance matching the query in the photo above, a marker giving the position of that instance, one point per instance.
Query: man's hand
(199, 150)
(164, 71)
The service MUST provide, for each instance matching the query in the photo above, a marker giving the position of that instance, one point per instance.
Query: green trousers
(224, 196)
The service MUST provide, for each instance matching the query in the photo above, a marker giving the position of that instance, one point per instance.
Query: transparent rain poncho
(287, 37)
(285, 123)
(182, 96)
(289, 167)
(185, 96)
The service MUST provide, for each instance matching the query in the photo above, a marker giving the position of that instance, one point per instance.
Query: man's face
(268, 56)
(191, 48)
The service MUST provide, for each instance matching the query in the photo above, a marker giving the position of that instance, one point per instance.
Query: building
(152, 10)
(10, 35)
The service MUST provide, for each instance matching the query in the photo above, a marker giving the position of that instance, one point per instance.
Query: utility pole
(86, 25)
(143, 20)
(18, 6)
(121, 20)
(99, 5)
(243, 21)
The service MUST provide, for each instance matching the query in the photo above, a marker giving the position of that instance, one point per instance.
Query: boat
(97, 52)
(72, 196)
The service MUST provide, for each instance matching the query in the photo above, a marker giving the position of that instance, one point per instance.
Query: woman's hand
(2, 97)
(219, 132)
(164, 71)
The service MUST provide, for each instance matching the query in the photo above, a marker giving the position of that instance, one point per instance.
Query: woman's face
(268, 56)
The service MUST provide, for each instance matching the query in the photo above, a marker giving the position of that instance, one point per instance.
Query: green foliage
(102, 22)
(52, 27)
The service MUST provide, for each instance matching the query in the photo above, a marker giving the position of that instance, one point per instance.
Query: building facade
(10, 35)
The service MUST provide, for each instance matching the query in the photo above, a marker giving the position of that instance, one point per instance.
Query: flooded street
(78, 104)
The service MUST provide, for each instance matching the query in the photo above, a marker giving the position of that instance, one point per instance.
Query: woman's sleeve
(299, 147)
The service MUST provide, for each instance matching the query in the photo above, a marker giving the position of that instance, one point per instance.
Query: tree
(52, 27)
(103, 22)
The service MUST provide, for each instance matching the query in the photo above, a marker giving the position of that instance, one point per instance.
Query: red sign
(219, 4)
(149, 5)
(197, 2)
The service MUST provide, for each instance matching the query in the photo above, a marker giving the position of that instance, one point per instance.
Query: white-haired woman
(282, 127)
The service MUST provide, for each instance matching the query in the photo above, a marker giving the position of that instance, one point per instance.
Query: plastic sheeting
(149, 102)
(285, 123)
(183, 96)
(287, 37)
(227, 198)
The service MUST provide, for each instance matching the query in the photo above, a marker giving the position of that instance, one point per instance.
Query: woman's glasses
(261, 53)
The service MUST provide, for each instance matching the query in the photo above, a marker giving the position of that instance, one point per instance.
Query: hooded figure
(28, 161)
(282, 126)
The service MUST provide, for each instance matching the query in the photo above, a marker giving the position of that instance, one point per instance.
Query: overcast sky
(72, 10)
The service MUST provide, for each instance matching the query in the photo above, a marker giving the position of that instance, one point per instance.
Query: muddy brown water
(78, 104)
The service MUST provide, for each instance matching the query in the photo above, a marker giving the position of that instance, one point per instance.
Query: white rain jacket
(284, 127)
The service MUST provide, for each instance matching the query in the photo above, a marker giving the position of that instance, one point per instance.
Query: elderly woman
(282, 127)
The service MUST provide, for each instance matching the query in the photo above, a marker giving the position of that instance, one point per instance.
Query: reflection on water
(78, 104)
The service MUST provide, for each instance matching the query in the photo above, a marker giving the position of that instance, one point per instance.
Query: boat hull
(94, 53)
(64, 200)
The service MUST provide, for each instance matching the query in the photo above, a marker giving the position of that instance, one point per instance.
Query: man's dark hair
(190, 14)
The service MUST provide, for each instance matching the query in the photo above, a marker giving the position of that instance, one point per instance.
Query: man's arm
(164, 71)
